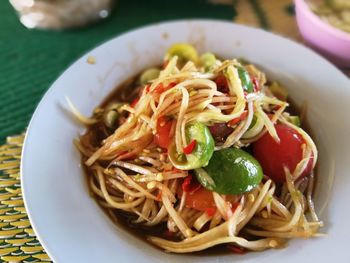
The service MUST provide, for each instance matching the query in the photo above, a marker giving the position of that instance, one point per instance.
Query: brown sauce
(125, 92)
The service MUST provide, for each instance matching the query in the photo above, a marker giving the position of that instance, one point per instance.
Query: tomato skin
(197, 196)
(273, 156)
(201, 199)
(162, 137)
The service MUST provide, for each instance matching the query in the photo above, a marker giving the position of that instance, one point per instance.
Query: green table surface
(30, 60)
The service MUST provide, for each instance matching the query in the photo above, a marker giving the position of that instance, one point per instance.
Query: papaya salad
(202, 152)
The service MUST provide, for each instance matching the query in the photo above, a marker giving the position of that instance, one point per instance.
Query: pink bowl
(324, 38)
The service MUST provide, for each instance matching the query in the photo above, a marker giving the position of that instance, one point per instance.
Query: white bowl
(73, 228)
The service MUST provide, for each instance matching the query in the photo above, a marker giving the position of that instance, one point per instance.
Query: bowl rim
(304, 7)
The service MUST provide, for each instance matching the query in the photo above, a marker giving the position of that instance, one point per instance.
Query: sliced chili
(235, 249)
(147, 88)
(238, 119)
(159, 195)
(161, 88)
(256, 84)
(189, 148)
(134, 102)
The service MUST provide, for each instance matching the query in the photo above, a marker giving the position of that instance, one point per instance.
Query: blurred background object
(334, 12)
(60, 14)
(277, 16)
(325, 26)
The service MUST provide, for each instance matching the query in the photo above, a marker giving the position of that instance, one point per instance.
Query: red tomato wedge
(201, 199)
(162, 137)
(273, 156)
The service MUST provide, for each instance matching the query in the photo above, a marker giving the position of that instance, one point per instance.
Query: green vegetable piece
(149, 74)
(278, 91)
(202, 152)
(252, 124)
(110, 118)
(230, 171)
(184, 52)
(207, 60)
(255, 127)
(205, 179)
(111, 114)
(247, 84)
(295, 120)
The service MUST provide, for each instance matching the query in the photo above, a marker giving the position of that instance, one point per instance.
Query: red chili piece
(238, 119)
(277, 107)
(189, 148)
(159, 195)
(160, 87)
(147, 88)
(256, 85)
(235, 249)
(134, 102)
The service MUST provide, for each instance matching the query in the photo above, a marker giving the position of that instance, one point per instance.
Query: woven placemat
(18, 242)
